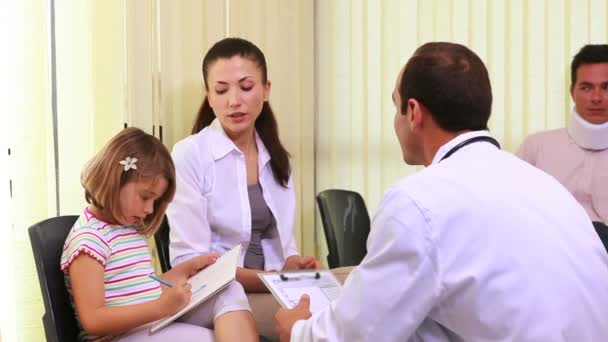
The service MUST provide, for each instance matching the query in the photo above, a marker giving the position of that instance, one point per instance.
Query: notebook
(206, 283)
(287, 287)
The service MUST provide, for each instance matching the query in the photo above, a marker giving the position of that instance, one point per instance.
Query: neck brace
(587, 135)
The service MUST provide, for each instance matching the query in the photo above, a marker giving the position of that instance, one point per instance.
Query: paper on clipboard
(288, 287)
(206, 283)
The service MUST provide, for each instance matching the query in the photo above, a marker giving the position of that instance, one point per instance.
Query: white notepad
(206, 283)
(287, 287)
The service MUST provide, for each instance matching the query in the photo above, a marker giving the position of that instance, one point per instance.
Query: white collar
(587, 135)
(225, 145)
(443, 150)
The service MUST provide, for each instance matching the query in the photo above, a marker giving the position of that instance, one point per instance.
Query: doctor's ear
(415, 109)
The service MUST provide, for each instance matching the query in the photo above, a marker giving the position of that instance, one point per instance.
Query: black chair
(346, 225)
(602, 232)
(161, 238)
(47, 238)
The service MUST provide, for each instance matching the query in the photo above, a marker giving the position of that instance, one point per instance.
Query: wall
(333, 66)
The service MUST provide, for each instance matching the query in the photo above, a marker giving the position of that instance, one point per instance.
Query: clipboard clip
(283, 277)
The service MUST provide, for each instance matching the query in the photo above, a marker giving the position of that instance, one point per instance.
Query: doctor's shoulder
(408, 187)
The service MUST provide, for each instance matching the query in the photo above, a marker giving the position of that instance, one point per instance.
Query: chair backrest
(346, 225)
(162, 245)
(602, 232)
(47, 238)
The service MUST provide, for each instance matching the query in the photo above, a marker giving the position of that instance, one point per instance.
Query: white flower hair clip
(129, 163)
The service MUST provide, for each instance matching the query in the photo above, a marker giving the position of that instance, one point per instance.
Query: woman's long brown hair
(266, 124)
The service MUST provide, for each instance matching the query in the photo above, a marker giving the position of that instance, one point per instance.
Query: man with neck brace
(577, 156)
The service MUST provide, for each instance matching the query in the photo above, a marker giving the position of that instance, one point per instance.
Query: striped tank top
(124, 255)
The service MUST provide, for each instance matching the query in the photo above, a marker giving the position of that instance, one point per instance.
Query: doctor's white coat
(478, 247)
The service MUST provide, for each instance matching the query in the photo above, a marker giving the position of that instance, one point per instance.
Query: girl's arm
(87, 279)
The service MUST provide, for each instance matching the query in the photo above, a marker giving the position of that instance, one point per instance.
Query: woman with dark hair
(233, 174)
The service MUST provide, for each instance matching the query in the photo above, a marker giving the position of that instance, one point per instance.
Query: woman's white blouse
(210, 211)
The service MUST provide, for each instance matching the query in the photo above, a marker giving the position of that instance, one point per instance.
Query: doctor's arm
(390, 293)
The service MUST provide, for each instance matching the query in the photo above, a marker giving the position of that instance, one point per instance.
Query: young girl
(106, 259)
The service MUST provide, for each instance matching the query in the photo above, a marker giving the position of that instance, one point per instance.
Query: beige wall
(27, 101)
(332, 65)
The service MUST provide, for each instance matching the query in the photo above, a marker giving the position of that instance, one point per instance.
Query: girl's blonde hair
(104, 176)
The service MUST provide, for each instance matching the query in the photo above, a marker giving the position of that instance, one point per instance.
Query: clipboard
(207, 282)
(287, 287)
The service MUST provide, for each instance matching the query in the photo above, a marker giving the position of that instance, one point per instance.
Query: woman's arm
(287, 210)
(190, 232)
(87, 279)
(250, 280)
(297, 262)
(252, 283)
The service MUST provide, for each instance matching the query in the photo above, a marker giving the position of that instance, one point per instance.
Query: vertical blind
(333, 66)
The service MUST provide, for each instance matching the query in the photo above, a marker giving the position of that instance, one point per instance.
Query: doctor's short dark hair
(452, 82)
(588, 54)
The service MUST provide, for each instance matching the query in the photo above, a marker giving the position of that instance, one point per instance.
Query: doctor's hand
(296, 262)
(286, 318)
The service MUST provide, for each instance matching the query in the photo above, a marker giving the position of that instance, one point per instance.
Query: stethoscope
(468, 142)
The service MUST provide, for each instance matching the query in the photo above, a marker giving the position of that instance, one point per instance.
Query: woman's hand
(297, 262)
(175, 298)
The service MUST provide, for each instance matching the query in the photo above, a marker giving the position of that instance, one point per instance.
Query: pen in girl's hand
(158, 279)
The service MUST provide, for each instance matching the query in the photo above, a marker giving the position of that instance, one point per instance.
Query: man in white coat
(478, 246)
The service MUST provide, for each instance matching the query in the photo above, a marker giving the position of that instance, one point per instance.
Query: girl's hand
(202, 261)
(175, 298)
(181, 272)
